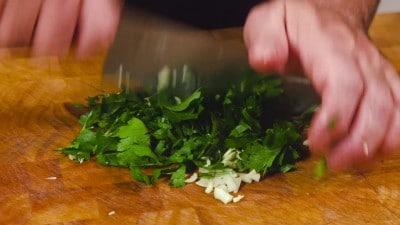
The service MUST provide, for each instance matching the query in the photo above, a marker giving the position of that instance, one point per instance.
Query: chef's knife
(151, 52)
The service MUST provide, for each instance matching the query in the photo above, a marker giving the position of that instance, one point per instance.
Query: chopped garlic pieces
(71, 157)
(192, 178)
(237, 198)
(230, 157)
(230, 183)
(222, 185)
(203, 182)
(209, 188)
(222, 195)
(250, 177)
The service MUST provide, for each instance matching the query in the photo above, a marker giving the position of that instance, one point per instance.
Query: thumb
(265, 37)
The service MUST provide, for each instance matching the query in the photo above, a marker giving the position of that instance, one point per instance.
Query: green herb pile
(161, 135)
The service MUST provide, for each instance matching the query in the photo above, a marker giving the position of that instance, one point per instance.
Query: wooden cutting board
(40, 186)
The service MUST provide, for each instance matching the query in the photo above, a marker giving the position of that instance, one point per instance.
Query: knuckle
(257, 11)
(369, 57)
(351, 85)
(353, 88)
(340, 36)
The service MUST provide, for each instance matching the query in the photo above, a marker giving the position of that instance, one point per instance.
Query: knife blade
(147, 45)
(151, 52)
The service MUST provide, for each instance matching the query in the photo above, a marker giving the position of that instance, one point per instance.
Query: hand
(50, 27)
(359, 118)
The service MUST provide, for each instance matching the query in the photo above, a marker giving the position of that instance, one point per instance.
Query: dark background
(207, 14)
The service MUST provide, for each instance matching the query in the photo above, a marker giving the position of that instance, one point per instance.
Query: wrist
(358, 13)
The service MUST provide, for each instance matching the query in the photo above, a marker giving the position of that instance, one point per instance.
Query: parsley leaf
(135, 130)
(134, 146)
(178, 177)
(258, 157)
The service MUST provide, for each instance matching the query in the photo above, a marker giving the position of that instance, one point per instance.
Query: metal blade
(146, 43)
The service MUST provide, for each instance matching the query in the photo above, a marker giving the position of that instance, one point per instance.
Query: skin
(327, 41)
(87, 25)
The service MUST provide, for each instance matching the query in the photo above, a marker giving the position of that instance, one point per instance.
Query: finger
(339, 82)
(97, 26)
(329, 64)
(265, 37)
(3, 52)
(2, 3)
(18, 21)
(371, 122)
(392, 140)
(55, 27)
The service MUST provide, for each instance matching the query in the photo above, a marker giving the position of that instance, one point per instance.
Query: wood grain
(34, 123)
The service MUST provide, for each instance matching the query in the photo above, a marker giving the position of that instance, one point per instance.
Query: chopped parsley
(161, 135)
(320, 169)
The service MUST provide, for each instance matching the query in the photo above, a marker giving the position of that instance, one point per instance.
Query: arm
(359, 88)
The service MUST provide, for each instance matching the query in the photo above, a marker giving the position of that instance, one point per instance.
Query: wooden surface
(33, 123)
